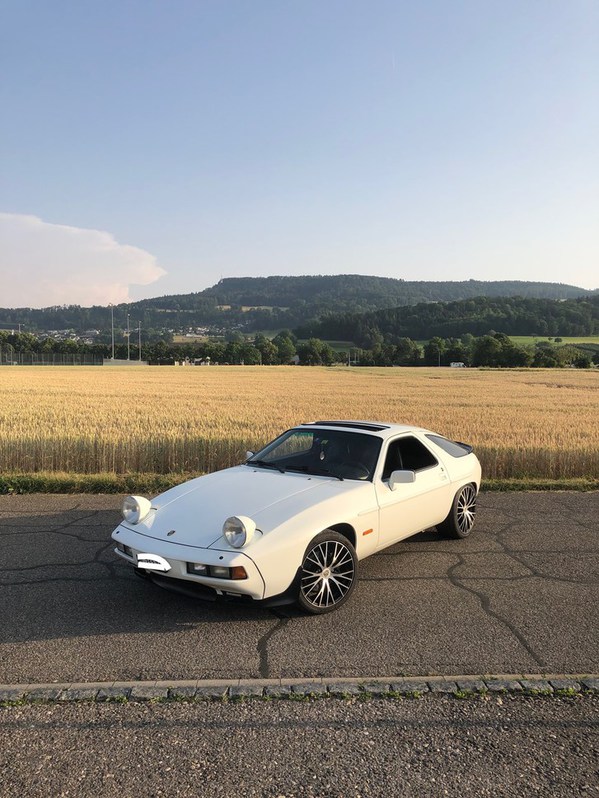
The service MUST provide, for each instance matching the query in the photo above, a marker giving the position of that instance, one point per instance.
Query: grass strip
(540, 483)
(152, 484)
(61, 482)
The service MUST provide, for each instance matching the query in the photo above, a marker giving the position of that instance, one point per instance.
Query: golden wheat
(172, 419)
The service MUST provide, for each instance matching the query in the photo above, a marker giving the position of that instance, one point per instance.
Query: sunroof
(350, 424)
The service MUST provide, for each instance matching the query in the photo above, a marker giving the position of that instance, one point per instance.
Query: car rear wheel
(460, 520)
(328, 573)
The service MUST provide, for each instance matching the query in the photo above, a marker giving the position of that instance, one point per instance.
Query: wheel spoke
(313, 586)
(466, 509)
(328, 574)
(313, 557)
(329, 593)
(341, 587)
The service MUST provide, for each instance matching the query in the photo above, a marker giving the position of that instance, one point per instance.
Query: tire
(460, 520)
(328, 573)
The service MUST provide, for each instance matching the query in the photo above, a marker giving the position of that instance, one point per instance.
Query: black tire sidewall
(327, 535)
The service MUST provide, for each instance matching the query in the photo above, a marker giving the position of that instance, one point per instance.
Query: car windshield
(338, 453)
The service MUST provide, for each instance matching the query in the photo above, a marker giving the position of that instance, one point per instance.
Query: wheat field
(188, 420)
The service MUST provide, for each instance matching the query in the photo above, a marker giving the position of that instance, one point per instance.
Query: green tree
(232, 353)
(315, 353)
(456, 352)
(249, 355)
(407, 352)
(486, 351)
(268, 351)
(544, 358)
(583, 361)
(285, 347)
(433, 351)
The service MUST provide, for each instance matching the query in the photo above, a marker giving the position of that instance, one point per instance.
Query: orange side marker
(368, 531)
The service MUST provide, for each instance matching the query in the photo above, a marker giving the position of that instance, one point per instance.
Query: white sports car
(292, 522)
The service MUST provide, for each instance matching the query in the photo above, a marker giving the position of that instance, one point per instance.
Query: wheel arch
(346, 530)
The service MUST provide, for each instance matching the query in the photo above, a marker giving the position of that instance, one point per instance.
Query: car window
(299, 443)
(347, 455)
(454, 448)
(407, 454)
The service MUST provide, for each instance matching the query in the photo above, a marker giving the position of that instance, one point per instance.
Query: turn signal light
(217, 571)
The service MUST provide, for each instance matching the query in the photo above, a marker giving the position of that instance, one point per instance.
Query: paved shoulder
(521, 595)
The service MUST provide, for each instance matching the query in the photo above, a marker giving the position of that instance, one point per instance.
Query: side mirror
(248, 455)
(401, 478)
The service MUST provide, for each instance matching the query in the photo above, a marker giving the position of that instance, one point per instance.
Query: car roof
(381, 429)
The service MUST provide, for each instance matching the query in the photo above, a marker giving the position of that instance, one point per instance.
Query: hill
(477, 316)
(253, 303)
(366, 292)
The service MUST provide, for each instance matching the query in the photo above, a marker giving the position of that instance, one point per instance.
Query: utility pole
(112, 327)
(139, 338)
(128, 340)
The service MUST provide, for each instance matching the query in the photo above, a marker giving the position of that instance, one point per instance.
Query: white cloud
(43, 264)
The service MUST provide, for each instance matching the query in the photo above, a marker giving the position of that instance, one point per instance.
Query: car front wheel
(328, 573)
(460, 520)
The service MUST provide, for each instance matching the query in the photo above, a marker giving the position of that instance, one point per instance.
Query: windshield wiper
(266, 464)
(315, 470)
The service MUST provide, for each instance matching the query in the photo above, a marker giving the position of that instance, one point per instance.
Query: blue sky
(153, 147)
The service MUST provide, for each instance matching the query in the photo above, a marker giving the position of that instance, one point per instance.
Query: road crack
(485, 603)
(262, 646)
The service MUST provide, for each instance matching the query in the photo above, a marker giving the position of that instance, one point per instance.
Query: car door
(410, 508)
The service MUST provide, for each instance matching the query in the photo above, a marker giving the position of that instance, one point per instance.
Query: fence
(8, 357)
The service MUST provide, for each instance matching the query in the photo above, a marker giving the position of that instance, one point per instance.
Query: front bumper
(178, 556)
(205, 593)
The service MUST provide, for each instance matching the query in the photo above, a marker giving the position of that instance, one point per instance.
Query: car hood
(192, 514)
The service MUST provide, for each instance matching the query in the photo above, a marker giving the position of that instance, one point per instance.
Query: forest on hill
(250, 304)
(362, 292)
(477, 316)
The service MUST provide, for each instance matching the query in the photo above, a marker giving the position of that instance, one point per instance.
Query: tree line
(259, 303)
(509, 315)
(494, 350)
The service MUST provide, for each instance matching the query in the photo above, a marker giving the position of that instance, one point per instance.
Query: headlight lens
(238, 530)
(135, 509)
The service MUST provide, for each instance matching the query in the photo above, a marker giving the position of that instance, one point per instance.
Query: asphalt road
(521, 595)
(504, 747)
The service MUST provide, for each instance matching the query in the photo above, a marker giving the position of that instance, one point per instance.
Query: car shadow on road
(60, 578)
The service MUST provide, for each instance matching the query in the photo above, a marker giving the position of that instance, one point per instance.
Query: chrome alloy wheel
(466, 510)
(328, 574)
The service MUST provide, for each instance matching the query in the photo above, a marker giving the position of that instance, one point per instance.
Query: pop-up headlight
(238, 530)
(135, 509)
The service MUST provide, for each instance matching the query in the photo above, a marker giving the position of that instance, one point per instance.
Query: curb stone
(472, 686)
(309, 689)
(375, 689)
(113, 694)
(142, 692)
(566, 684)
(251, 689)
(536, 685)
(443, 686)
(503, 685)
(409, 686)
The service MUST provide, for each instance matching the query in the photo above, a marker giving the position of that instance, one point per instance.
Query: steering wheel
(355, 470)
